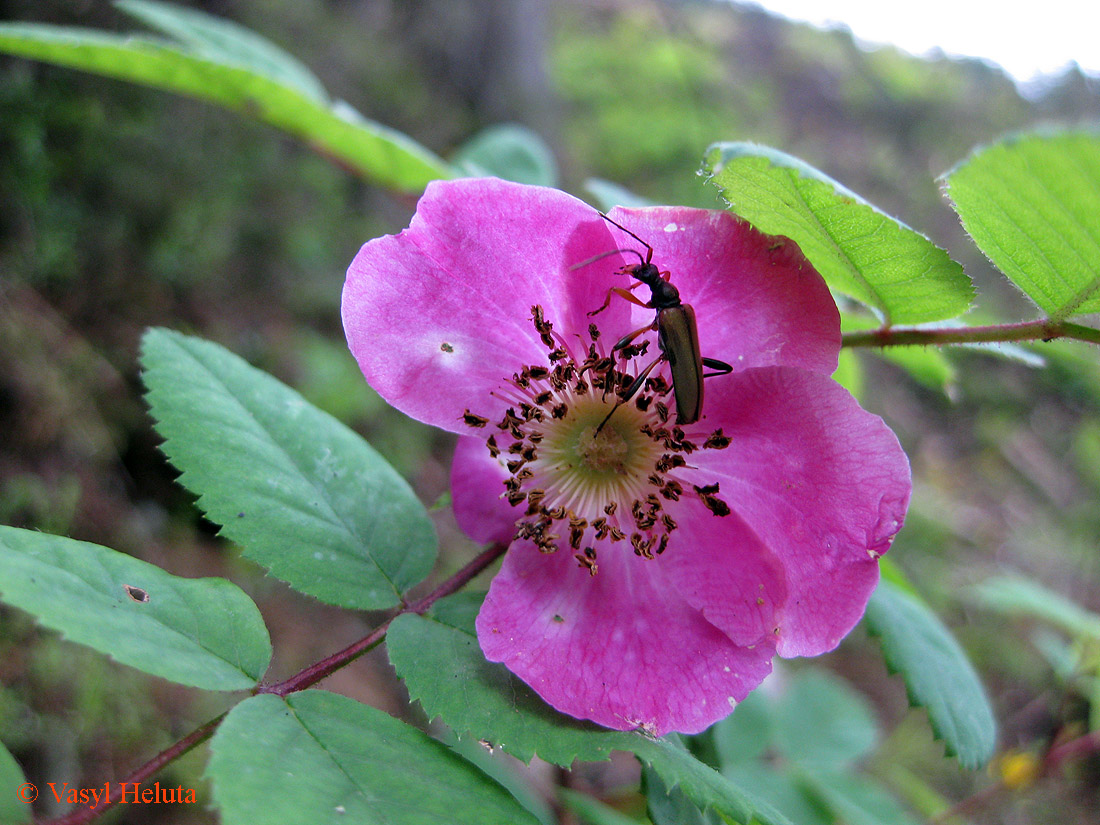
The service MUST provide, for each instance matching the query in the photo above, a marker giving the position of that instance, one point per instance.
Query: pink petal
(439, 315)
(824, 484)
(477, 483)
(758, 301)
(621, 648)
(719, 566)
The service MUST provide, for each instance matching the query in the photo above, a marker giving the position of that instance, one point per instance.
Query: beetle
(677, 332)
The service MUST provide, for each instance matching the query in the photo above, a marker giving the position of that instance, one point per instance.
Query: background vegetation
(122, 208)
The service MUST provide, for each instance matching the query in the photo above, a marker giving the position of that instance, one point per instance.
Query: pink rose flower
(654, 570)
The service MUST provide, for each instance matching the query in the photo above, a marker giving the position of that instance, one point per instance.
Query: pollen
(588, 471)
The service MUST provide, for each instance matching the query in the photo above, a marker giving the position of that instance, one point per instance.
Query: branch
(326, 667)
(1001, 333)
(310, 676)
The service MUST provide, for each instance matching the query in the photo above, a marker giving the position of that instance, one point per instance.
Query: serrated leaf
(819, 720)
(316, 758)
(444, 669)
(13, 811)
(1032, 205)
(936, 671)
(1016, 596)
(201, 632)
(238, 78)
(300, 493)
(671, 807)
(860, 251)
(441, 663)
(508, 151)
(703, 785)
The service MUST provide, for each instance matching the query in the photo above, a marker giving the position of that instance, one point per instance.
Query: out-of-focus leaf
(13, 811)
(860, 251)
(201, 632)
(856, 799)
(937, 673)
(226, 42)
(508, 151)
(747, 733)
(1032, 205)
(592, 811)
(819, 720)
(224, 64)
(609, 195)
(1020, 597)
(301, 493)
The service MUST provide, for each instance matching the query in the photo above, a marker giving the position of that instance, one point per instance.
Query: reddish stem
(305, 678)
(1003, 333)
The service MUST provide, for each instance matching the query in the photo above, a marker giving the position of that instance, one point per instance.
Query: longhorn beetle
(677, 333)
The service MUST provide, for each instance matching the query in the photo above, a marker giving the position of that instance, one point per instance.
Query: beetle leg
(622, 293)
(632, 390)
(720, 367)
(626, 339)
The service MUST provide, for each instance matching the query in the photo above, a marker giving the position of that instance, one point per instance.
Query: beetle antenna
(595, 258)
(628, 232)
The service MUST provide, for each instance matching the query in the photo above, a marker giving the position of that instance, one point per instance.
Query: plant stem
(1000, 333)
(326, 667)
(305, 678)
(169, 754)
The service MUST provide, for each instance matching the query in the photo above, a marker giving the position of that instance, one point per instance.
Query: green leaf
(301, 493)
(747, 733)
(857, 800)
(822, 721)
(671, 807)
(937, 673)
(703, 785)
(317, 758)
(224, 64)
(775, 785)
(1032, 205)
(592, 811)
(201, 632)
(860, 251)
(1014, 596)
(443, 668)
(508, 151)
(608, 195)
(13, 811)
(224, 41)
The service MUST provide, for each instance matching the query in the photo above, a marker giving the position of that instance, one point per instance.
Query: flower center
(591, 465)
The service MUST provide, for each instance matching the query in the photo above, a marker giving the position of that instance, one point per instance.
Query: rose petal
(477, 484)
(439, 315)
(757, 300)
(824, 484)
(620, 648)
(719, 566)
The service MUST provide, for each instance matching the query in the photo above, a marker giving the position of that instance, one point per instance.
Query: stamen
(572, 465)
